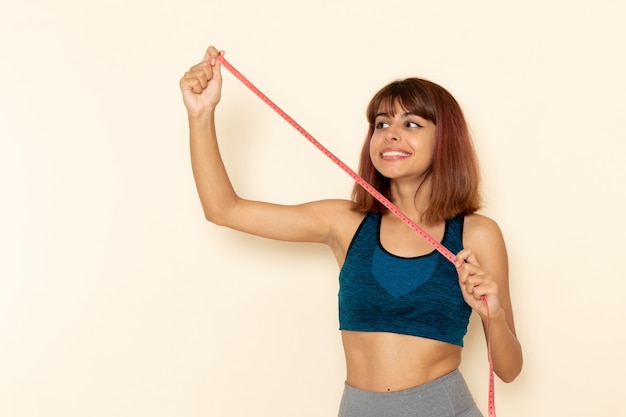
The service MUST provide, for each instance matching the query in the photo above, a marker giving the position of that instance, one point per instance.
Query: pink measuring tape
(376, 194)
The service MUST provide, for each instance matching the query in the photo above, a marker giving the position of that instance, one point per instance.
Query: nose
(391, 136)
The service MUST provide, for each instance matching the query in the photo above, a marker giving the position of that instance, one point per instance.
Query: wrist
(495, 317)
(201, 118)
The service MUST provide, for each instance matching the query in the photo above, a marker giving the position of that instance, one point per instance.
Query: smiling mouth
(394, 153)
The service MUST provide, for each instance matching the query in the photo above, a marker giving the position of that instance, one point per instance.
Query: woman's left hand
(476, 283)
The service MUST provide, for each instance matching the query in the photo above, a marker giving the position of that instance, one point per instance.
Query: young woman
(403, 307)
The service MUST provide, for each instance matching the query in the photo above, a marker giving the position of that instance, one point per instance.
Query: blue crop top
(382, 292)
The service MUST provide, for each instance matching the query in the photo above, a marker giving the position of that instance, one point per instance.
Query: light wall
(118, 299)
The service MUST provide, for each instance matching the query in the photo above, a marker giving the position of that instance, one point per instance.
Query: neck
(411, 198)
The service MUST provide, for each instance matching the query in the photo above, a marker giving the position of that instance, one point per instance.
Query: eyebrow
(405, 114)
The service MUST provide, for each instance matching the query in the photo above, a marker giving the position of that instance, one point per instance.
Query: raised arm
(201, 87)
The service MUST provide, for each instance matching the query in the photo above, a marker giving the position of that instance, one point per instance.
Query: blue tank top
(382, 292)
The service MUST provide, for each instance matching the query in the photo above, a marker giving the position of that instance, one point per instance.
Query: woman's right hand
(202, 85)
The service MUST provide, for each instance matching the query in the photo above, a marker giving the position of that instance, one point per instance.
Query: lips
(394, 153)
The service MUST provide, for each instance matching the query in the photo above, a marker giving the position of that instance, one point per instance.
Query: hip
(446, 396)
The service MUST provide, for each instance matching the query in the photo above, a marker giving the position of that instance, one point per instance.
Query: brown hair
(454, 172)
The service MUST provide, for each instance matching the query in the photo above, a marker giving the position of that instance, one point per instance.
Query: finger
(466, 269)
(475, 287)
(203, 72)
(470, 276)
(481, 291)
(203, 66)
(190, 84)
(469, 284)
(482, 285)
(465, 256)
(474, 291)
(211, 54)
(211, 61)
(196, 81)
(216, 66)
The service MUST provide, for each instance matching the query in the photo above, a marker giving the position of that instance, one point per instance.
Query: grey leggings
(447, 396)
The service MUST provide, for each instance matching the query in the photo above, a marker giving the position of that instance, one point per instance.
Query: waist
(386, 362)
(447, 395)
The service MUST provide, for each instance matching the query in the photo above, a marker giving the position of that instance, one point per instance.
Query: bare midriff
(386, 362)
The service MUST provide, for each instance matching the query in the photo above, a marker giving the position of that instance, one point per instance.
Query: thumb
(465, 256)
(216, 65)
(211, 54)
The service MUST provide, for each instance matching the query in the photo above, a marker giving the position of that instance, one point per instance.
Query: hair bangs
(410, 95)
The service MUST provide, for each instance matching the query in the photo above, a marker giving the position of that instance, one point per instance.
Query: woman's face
(402, 144)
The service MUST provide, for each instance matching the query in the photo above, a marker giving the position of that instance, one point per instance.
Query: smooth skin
(401, 149)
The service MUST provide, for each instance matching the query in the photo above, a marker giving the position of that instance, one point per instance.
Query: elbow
(220, 212)
(509, 374)
(215, 218)
(220, 216)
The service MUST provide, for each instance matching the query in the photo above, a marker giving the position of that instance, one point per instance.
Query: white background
(118, 299)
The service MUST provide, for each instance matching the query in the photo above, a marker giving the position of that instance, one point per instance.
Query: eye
(413, 125)
(381, 125)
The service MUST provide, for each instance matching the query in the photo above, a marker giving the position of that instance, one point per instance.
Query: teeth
(395, 153)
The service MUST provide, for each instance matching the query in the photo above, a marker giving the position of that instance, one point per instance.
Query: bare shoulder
(482, 234)
(481, 226)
